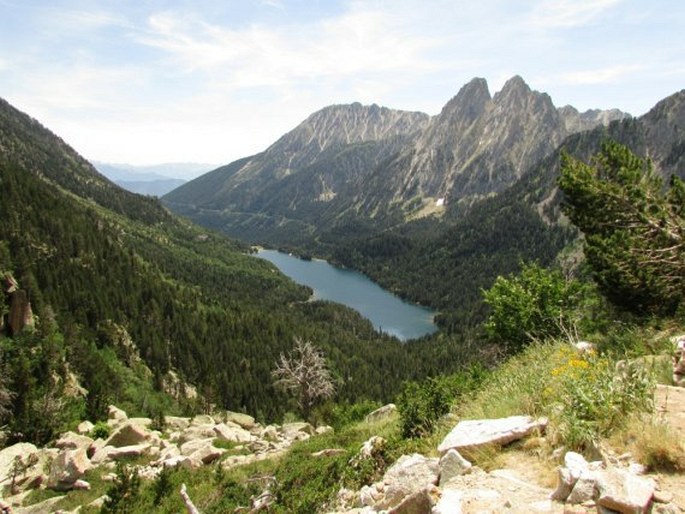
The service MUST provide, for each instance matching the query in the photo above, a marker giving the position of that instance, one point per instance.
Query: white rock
(323, 429)
(584, 489)
(7, 455)
(381, 413)
(408, 475)
(234, 434)
(194, 432)
(452, 464)
(176, 424)
(243, 420)
(116, 414)
(190, 447)
(624, 492)
(207, 454)
(576, 464)
(203, 419)
(128, 434)
(85, 428)
(471, 434)
(69, 466)
(127, 452)
(72, 441)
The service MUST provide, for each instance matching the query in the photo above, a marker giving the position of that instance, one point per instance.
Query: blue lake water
(387, 312)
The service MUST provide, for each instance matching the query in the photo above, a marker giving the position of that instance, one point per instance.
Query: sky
(150, 81)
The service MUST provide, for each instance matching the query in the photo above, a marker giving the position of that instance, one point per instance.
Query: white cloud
(569, 13)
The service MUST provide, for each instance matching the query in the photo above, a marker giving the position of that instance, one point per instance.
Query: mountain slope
(377, 167)
(111, 275)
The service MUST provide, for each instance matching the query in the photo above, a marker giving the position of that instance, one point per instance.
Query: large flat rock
(472, 434)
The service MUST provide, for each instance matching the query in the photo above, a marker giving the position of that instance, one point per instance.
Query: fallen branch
(190, 507)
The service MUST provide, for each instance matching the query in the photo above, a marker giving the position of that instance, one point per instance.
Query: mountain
(376, 167)
(154, 180)
(124, 298)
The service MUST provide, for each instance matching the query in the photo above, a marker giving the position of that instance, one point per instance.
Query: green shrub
(101, 430)
(421, 405)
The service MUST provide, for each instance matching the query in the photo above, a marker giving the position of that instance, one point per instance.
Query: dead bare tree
(304, 374)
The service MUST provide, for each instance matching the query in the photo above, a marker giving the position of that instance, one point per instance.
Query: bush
(101, 430)
(421, 405)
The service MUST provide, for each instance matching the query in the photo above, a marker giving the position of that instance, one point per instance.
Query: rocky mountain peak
(469, 103)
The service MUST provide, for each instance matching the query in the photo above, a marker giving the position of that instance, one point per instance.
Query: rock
(98, 503)
(207, 454)
(291, 430)
(419, 502)
(269, 433)
(85, 428)
(472, 434)
(202, 419)
(7, 455)
(176, 424)
(178, 461)
(101, 455)
(41, 507)
(72, 441)
(584, 347)
(666, 508)
(452, 464)
(584, 489)
(323, 429)
(381, 413)
(624, 492)
(408, 475)
(449, 503)
(663, 496)
(190, 447)
(127, 452)
(234, 434)
(243, 420)
(20, 315)
(371, 447)
(565, 483)
(69, 466)
(576, 464)
(141, 422)
(81, 485)
(128, 434)
(116, 414)
(195, 432)
(329, 452)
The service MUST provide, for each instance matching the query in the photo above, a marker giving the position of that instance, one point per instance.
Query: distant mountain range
(154, 180)
(384, 166)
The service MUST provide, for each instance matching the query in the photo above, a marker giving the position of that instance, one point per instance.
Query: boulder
(270, 433)
(176, 424)
(243, 420)
(584, 489)
(451, 465)
(408, 475)
(381, 413)
(195, 432)
(206, 455)
(85, 428)
(565, 483)
(291, 430)
(141, 422)
(81, 485)
(190, 447)
(235, 434)
(114, 413)
(178, 461)
(7, 456)
(127, 452)
(128, 434)
(469, 435)
(72, 441)
(624, 492)
(202, 419)
(67, 468)
(420, 502)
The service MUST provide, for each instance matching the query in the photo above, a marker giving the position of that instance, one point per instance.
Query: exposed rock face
(380, 163)
(67, 468)
(20, 315)
(576, 121)
(472, 434)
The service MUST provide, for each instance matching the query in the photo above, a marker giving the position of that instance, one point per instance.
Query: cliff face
(379, 164)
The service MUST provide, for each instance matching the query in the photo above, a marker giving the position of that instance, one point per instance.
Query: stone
(69, 466)
(382, 413)
(584, 489)
(290, 429)
(449, 503)
(235, 434)
(178, 461)
(127, 452)
(81, 485)
(270, 433)
(409, 474)
(565, 483)
(419, 502)
(85, 428)
(243, 420)
(72, 441)
(452, 464)
(667, 508)
(7, 455)
(101, 455)
(141, 422)
(207, 454)
(371, 447)
(190, 447)
(624, 492)
(202, 419)
(116, 414)
(576, 464)
(663, 496)
(472, 434)
(323, 429)
(329, 452)
(176, 424)
(127, 434)
(195, 432)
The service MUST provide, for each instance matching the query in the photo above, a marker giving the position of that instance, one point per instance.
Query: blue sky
(150, 81)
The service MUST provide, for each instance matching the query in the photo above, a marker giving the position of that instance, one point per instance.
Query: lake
(387, 312)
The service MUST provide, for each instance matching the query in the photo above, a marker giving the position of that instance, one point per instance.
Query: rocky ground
(446, 482)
